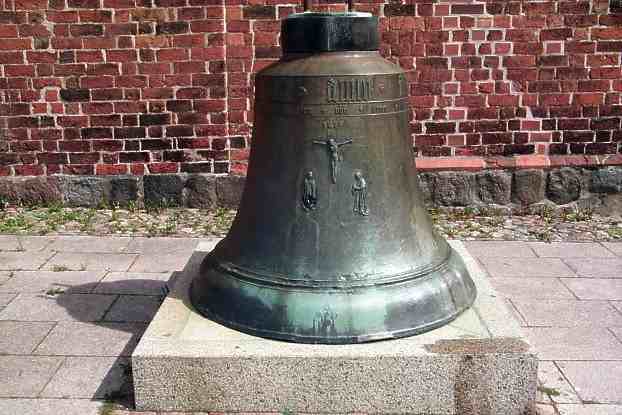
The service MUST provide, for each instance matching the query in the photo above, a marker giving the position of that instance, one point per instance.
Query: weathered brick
(397, 9)
(258, 11)
(154, 119)
(171, 28)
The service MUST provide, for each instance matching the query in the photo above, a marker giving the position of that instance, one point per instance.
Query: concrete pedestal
(478, 364)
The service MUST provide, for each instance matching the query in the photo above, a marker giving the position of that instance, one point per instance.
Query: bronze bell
(332, 243)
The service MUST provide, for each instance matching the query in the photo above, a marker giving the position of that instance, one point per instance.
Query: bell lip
(334, 341)
(417, 325)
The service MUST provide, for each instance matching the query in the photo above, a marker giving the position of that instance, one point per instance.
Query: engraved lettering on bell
(309, 192)
(334, 155)
(349, 90)
(359, 191)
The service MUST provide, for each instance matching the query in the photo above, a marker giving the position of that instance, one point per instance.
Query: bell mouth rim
(329, 341)
(357, 315)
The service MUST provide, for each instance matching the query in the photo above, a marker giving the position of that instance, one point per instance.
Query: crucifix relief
(332, 146)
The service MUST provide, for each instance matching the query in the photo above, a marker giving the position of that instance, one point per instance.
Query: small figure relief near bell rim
(359, 193)
(309, 192)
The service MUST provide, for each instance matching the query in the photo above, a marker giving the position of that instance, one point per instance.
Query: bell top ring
(332, 243)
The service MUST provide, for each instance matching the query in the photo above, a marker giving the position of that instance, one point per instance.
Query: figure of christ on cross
(333, 152)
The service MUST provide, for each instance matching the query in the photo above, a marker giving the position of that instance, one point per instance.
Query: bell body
(331, 242)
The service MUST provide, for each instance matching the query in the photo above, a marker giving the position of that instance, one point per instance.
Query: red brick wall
(159, 86)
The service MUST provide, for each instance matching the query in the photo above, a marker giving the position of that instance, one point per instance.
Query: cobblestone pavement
(72, 308)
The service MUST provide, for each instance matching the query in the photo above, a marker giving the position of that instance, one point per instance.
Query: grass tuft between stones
(543, 223)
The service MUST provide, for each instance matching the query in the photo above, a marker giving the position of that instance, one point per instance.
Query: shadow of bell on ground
(119, 311)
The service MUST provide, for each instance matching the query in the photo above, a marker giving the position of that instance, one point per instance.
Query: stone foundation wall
(567, 187)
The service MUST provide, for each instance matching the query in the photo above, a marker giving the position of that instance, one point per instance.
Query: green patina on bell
(332, 243)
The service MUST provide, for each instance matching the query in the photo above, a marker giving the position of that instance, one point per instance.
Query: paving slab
(552, 379)
(595, 288)
(577, 343)
(499, 249)
(35, 243)
(596, 382)
(86, 339)
(567, 313)
(23, 260)
(9, 243)
(90, 244)
(545, 409)
(137, 283)
(19, 337)
(526, 267)
(596, 267)
(162, 254)
(162, 245)
(86, 261)
(161, 262)
(41, 281)
(26, 376)
(87, 377)
(570, 250)
(62, 307)
(534, 288)
(615, 247)
(134, 308)
(50, 407)
(591, 409)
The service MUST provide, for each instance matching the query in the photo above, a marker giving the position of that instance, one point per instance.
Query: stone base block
(478, 364)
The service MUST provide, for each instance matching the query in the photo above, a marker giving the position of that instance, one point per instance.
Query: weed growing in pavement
(13, 224)
(577, 215)
(107, 408)
(170, 226)
(548, 391)
(615, 232)
(131, 206)
(55, 291)
(86, 220)
(222, 220)
(544, 234)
